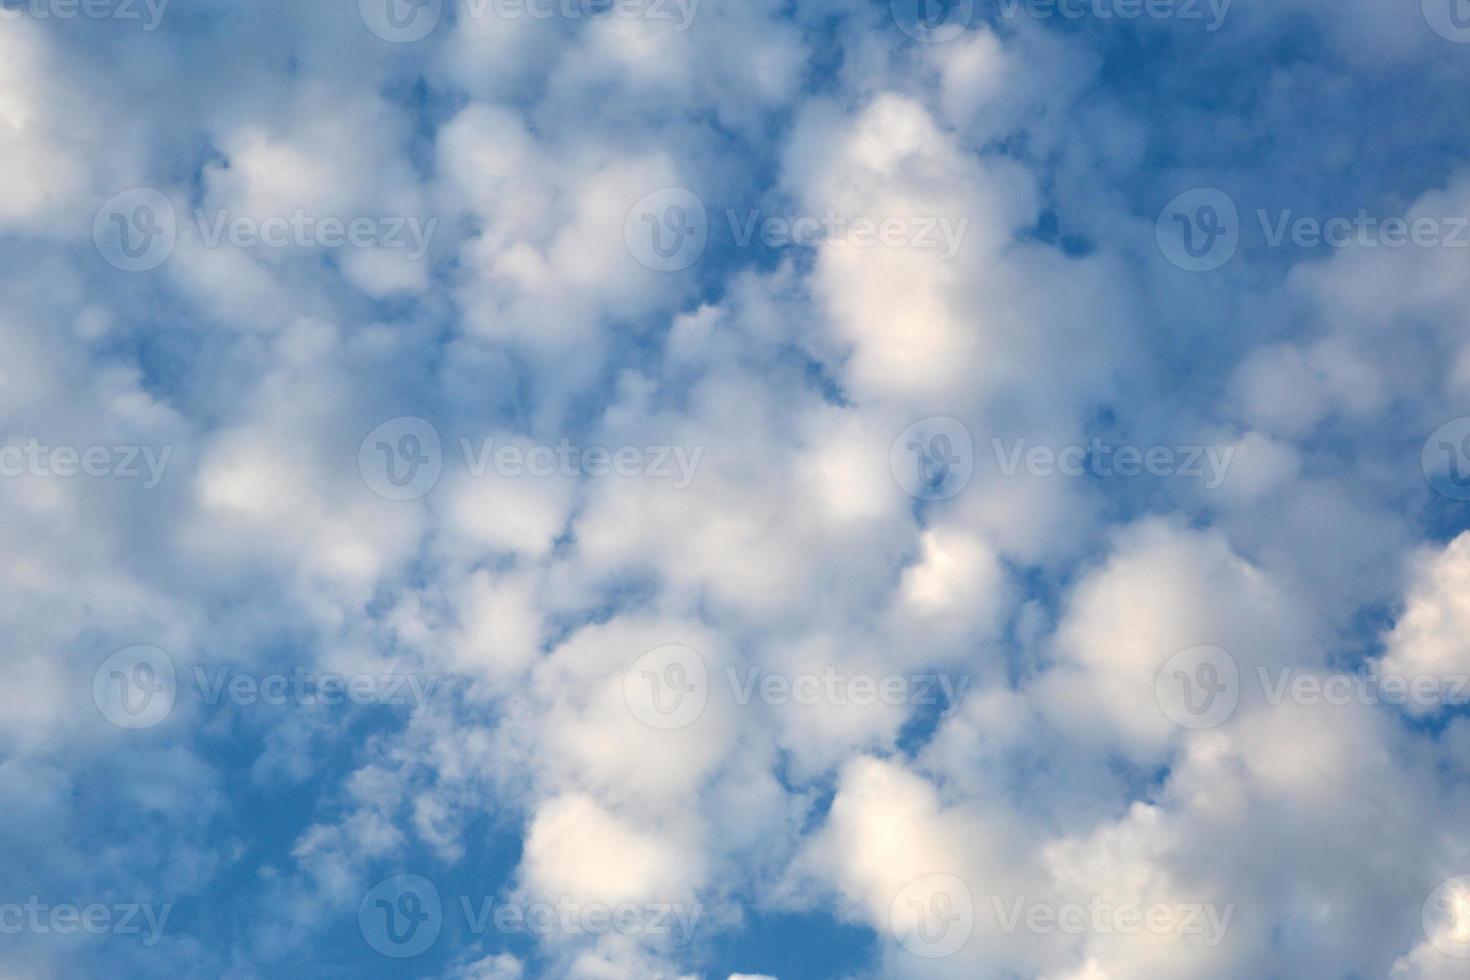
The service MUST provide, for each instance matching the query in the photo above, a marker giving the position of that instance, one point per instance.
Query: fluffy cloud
(1012, 177)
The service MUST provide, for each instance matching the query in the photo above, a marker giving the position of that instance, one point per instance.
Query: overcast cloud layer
(735, 489)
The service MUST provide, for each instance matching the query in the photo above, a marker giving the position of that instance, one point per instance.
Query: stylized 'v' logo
(934, 917)
(1207, 220)
(676, 680)
(398, 19)
(410, 909)
(1457, 454)
(410, 450)
(676, 222)
(142, 679)
(1460, 14)
(147, 225)
(933, 14)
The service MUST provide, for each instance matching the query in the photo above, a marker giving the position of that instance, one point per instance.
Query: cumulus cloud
(748, 658)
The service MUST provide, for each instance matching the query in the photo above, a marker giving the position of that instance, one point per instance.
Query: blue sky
(501, 489)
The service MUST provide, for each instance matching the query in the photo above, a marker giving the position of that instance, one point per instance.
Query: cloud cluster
(850, 673)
